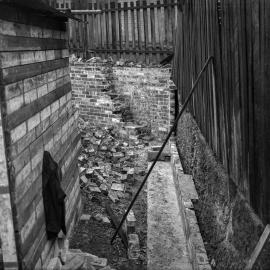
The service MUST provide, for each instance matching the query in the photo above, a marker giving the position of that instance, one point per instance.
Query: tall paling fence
(141, 31)
(232, 102)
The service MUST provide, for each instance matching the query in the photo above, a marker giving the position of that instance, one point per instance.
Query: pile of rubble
(121, 62)
(106, 162)
(108, 166)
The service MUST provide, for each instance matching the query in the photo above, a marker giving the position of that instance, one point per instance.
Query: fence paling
(137, 31)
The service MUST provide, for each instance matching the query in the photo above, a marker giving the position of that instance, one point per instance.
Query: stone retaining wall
(187, 196)
(229, 226)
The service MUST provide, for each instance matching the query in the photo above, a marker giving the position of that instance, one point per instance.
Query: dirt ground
(93, 236)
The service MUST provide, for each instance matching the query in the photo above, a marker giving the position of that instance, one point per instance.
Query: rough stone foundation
(229, 227)
(107, 94)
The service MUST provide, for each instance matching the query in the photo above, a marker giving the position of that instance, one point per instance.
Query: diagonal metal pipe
(163, 145)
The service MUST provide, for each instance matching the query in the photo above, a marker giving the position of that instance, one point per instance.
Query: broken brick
(85, 217)
(118, 187)
(84, 179)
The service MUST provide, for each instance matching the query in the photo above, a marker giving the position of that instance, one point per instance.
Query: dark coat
(53, 197)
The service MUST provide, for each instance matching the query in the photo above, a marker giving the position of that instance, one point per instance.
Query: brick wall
(151, 95)
(37, 115)
(100, 88)
(91, 86)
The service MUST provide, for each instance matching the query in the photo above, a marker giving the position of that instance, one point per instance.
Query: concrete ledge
(186, 195)
(165, 230)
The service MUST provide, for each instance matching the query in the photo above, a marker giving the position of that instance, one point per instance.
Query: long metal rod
(162, 147)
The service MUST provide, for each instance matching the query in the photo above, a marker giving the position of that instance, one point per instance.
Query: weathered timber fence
(134, 30)
(232, 107)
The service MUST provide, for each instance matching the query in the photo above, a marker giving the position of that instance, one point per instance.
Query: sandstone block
(133, 247)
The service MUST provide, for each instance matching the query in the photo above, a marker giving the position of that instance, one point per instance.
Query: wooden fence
(232, 103)
(139, 31)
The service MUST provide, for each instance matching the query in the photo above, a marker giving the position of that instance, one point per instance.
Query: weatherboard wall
(37, 116)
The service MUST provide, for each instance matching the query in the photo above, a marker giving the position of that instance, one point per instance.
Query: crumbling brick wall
(90, 85)
(7, 237)
(37, 115)
(147, 92)
(151, 95)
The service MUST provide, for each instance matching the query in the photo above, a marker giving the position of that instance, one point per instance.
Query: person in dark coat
(53, 197)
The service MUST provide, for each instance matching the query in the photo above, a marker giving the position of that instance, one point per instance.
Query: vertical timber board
(250, 76)
(244, 97)
(90, 32)
(130, 36)
(123, 37)
(265, 208)
(146, 36)
(102, 29)
(142, 30)
(95, 19)
(173, 21)
(113, 25)
(120, 29)
(99, 28)
(7, 233)
(162, 28)
(117, 36)
(136, 30)
(109, 28)
(169, 29)
(133, 31)
(156, 33)
(153, 33)
(126, 29)
(85, 19)
(138, 13)
(81, 36)
(148, 25)
(166, 25)
(256, 184)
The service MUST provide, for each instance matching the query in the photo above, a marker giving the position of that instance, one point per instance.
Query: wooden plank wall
(8, 252)
(35, 92)
(232, 102)
(134, 30)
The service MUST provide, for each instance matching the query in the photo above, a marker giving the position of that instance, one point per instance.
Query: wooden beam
(124, 50)
(259, 247)
(18, 43)
(18, 117)
(140, 6)
(18, 73)
(86, 11)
